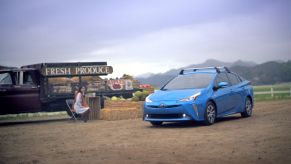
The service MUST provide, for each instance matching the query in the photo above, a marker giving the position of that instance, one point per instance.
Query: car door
(6, 92)
(237, 92)
(20, 94)
(28, 92)
(222, 95)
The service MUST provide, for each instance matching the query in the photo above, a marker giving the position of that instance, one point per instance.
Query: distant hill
(145, 75)
(266, 73)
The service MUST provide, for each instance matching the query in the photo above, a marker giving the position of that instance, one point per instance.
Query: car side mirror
(222, 84)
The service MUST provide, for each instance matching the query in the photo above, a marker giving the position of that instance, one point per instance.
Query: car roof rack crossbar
(217, 69)
(225, 68)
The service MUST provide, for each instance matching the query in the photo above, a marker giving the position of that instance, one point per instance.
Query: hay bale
(111, 114)
(121, 110)
(123, 104)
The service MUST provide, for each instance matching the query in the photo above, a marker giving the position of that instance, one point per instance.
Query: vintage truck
(45, 86)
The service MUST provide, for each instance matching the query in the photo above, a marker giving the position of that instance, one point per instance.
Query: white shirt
(79, 108)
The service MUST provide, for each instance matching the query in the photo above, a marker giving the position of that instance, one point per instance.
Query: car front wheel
(210, 114)
(248, 108)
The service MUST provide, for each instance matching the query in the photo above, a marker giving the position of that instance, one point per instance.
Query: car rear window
(190, 81)
(221, 77)
(233, 79)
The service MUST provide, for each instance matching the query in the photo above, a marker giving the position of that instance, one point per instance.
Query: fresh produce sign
(74, 71)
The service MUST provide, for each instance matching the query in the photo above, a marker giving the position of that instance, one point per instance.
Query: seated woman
(80, 105)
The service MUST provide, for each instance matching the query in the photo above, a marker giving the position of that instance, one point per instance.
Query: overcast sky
(137, 37)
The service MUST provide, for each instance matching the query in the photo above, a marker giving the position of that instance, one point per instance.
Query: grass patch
(276, 96)
(268, 97)
(33, 116)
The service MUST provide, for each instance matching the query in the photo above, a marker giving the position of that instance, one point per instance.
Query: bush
(114, 98)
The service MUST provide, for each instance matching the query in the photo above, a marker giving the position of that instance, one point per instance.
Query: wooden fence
(272, 92)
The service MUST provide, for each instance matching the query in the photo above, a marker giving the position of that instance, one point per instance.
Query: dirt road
(263, 138)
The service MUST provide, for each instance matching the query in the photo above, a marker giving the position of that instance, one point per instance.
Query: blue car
(200, 94)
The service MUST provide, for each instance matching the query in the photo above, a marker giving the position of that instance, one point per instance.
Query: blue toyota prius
(200, 94)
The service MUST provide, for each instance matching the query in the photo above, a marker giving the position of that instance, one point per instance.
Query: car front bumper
(173, 111)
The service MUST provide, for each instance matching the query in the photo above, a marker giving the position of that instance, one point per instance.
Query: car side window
(221, 77)
(5, 79)
(233, 78)
(27, 79)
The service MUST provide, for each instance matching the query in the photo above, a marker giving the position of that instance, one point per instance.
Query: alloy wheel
(211, 113)
(249, 107)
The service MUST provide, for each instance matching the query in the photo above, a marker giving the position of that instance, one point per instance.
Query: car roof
(204, 70)
(16, 70)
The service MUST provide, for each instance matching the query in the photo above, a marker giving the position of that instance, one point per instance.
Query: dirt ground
(263, 138)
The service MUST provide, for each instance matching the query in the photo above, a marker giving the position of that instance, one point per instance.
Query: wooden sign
(79, 70)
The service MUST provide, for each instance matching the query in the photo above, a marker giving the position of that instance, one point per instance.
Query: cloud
(248, 37)
(144, 36)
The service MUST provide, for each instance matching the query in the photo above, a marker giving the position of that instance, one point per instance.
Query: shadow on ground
(194, 124)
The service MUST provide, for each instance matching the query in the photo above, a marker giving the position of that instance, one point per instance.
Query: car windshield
(190, 81)
(5, 78)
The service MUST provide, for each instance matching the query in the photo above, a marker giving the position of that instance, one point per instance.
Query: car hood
(170, 95)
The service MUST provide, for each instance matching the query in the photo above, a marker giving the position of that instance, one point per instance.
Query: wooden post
(95, 106)
(272, 92)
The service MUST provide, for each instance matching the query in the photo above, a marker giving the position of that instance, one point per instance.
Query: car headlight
(147, 99)
(191, 98)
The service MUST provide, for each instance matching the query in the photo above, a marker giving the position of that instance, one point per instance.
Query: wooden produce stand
(95, 106)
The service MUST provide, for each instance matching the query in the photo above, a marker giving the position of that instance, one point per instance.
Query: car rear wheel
(210, 114)
(248, 108)
(156, 123)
